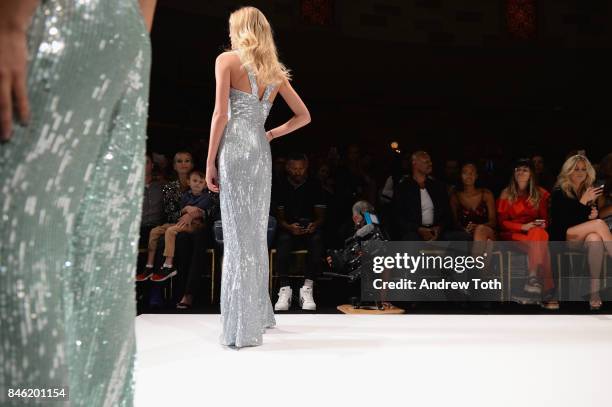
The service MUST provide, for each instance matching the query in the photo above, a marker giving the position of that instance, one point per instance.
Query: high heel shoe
(595, 305)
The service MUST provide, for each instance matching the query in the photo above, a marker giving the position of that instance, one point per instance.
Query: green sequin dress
(71, 186)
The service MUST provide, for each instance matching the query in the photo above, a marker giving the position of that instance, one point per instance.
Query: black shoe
(163, 274)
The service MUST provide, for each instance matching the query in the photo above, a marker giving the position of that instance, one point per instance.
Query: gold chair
(212, 274)
(271, 265)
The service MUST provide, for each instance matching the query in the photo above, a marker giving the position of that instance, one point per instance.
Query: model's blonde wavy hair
(251, 36)
(569, 166)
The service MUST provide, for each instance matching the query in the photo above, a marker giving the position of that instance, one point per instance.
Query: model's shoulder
(227, 58)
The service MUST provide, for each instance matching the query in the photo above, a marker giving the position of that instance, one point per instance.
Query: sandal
(551, 305)
(533, 285)
(595, 305)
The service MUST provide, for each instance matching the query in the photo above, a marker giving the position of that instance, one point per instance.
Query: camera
(365, 243)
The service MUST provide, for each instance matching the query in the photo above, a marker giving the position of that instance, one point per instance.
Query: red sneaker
(145, 274)
(163, 274)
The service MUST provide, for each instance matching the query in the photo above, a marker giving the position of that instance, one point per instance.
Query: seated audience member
(357, 221)
(193, 202)
(522, 214)
(300, 215)
(574, 217)
(347, 230)
(152, 205)
(201, 241)
(421, 204)
(172, 192)
(543, 177)
(604, 202)
(473, 208)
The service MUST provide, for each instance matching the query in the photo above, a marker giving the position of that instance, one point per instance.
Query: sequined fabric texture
(172, 200)
(245, 169)
(71, 186)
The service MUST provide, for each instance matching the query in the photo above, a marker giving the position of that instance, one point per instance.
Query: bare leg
(595, 250)
(598, 226)
(483, 243)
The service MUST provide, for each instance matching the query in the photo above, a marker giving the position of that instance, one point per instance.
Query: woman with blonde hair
(574, 216)
(522, 214)
(249, 76)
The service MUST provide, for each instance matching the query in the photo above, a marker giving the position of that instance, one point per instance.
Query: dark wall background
(451, 76)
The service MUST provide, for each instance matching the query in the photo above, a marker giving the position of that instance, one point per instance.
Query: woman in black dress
(574, 217)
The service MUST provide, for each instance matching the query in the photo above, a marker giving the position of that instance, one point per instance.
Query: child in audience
(193, 203)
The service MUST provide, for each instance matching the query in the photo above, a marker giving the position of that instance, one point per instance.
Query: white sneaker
(306, 301)
(284, 299)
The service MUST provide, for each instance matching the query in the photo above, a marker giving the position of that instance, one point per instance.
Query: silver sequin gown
(245, 177)
(71, 186)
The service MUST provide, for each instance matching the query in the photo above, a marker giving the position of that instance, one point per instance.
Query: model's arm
(219, 118)
(147, 8)
(15, 16)
(301, 115)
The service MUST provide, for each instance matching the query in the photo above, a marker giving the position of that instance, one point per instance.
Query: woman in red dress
(522, 213)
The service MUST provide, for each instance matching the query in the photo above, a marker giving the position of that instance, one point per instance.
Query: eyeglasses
(522, 169)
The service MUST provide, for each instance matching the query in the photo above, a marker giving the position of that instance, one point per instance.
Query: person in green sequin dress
(71, 184)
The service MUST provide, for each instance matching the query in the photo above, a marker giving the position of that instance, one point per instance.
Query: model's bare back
(239, 79)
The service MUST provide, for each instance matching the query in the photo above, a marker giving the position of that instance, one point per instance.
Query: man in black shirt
(300, 209)
(421, 203)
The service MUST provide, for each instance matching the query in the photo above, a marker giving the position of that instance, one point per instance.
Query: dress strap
(253, 81)
(267, 92)
(255, 88)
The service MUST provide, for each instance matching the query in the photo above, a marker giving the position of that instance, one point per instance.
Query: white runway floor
(382, 361)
